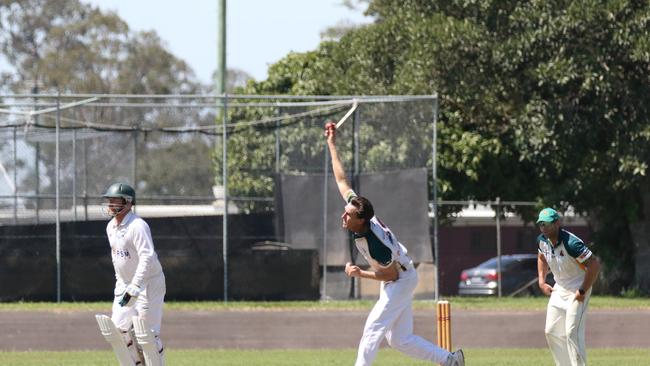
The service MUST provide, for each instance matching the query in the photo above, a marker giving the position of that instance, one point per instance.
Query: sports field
(458, 303)
(387, 357)
(319, 333)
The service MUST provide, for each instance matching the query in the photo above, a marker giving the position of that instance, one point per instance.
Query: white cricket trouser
(392, 317)
(148, 306)
(565, 327)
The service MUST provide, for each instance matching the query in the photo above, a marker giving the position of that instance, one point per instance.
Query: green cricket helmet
(118, 190)
(121, 190)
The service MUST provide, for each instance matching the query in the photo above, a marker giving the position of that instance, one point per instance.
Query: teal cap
(548, 215)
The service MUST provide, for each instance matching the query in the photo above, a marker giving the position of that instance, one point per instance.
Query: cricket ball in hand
(330, 127)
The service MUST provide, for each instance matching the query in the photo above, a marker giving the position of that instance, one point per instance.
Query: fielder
(134, 327)
(392, 316)
(575, 269)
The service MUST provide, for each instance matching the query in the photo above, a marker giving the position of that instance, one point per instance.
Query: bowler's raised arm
(337, 166)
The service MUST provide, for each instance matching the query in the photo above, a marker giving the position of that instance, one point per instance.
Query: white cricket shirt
(565, 259)
(132, 251)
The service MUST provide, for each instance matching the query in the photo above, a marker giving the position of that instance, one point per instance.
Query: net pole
(325, 178)
(37, 163)
(74, 173)
(498, 224)
(224, 167)
(85, 178)
(15, 179)
(277, 141)
(37, 178)
(434, 188)
(134, 163)
(57, 199)
(356, 120)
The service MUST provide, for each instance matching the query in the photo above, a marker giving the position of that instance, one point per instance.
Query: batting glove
(130, 295)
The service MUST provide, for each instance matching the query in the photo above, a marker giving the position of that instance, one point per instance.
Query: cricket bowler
(392, 315)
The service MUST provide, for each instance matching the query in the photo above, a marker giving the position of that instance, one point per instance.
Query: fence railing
(207, 155)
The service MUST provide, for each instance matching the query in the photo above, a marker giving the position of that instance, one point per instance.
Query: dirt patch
(23, 331)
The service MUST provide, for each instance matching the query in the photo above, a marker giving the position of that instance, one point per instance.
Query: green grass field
(475, 357)
(387, 357)
(462, 303)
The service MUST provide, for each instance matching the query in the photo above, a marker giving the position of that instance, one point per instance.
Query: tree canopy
(544, 101)
(67, 47)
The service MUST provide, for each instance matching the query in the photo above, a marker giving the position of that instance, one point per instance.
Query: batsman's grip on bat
(130, 294)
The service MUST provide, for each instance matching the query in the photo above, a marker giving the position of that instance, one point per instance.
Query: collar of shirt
(559, 239)
(128, 218)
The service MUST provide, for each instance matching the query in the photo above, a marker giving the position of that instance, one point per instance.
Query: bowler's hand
(546, 289)
(351, 270)
(580, 297)
(330, 132)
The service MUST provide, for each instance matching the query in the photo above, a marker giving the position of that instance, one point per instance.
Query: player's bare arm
(389, 273)
(542, 272)
(593, 268)
(337, 166)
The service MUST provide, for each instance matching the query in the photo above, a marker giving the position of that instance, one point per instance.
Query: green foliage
(540, 101)
(253, 165)
(71, 47)
(166, 170)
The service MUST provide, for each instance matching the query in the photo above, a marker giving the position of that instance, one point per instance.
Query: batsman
(392, 315)
(133, 330)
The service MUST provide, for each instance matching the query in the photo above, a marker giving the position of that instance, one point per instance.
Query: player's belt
(405, 267)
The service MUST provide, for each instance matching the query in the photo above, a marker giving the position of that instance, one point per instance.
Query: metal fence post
(277, 141)
(326, 176)
(15, 179)
(58, 198)
(356, 120)
(434, 188)
(85, 164)
(74, 173)
(134, 164)
(224, 137)
(37, 190)
(37, 154)
(498, 222)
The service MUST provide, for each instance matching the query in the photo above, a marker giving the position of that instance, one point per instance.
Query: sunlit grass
(386, 357)
(462, 303)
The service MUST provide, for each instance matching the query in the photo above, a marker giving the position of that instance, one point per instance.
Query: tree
(585, 121)
(69, 47)
(554, 93)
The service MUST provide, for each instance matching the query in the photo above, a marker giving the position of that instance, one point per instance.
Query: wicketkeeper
(575, 269)
(392, 315)
(133, 330)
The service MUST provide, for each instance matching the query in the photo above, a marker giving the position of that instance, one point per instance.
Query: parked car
(517, 271)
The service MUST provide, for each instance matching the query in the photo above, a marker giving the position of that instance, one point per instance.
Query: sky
(259, 32)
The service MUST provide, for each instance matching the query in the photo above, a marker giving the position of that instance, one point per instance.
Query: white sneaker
(456, 359)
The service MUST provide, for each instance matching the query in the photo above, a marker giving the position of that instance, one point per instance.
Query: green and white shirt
(565, 259)
(379, 246)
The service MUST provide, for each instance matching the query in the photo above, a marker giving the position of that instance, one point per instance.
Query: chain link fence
(195, 156)
(218, 180)
(169, 147)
